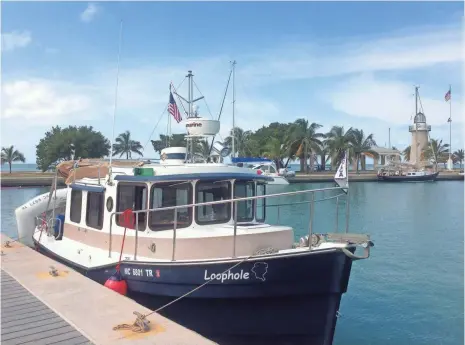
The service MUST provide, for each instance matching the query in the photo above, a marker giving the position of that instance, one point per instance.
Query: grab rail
(234, 202)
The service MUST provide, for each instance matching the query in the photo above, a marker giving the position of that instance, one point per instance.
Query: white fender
(26, 214)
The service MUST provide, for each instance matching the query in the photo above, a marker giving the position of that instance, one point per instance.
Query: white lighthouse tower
(419, 131)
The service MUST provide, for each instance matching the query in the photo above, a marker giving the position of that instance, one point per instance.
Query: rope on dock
(141, 323)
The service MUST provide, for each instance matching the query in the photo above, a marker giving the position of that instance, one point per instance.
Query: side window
(76, 206)
(168, 195)
(245, 208)
(272, 169)
(260, 213)
(206, 191)
(133, 196)
(94, 213)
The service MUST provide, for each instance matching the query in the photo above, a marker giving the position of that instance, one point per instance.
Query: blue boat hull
(283, 299)
(424, 178)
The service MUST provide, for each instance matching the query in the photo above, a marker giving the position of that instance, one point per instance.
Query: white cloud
(419, 48)
(43, 102)
(90, 12)
(390, 101)
(15, 39)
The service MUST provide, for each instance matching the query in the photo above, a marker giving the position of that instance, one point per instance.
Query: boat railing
(234, 201)
(48, 225)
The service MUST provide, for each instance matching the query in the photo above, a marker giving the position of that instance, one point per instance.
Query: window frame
(228, 204)
(260, 220)
(117, 203)
(72, 203)
(101, 206)
(190, 196)
(254, 192)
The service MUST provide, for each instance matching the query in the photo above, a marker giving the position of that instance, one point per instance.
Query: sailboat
(415, 170)
(194, 241)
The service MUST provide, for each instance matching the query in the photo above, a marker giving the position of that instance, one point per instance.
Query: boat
(265, 167)
(409, 176)
(417, 170)
(193, 241)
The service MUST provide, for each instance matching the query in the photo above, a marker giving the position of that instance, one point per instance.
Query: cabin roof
(197, 176)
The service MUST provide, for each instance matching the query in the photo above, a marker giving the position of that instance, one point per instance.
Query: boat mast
(234, 106)
(116, 96)
(417, 154)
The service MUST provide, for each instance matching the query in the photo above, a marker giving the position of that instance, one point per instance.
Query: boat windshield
(206, 191)
(168, 195)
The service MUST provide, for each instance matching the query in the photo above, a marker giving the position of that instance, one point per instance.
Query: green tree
(338, 141)
(241, 138)
(126, 146)
(458, 155)
(406, 153)
(61, 144)
(202, 149)
(359, 144)
(437, 152)
(175, 140)
(303, 139)
(276, 151)
(10, 155)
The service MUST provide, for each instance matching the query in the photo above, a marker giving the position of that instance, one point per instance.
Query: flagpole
(450, 163)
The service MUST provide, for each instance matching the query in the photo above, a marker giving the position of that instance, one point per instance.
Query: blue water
(19, 167)
(411, 290)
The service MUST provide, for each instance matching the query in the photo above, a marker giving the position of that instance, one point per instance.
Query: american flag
(173, 109)
(447, 96)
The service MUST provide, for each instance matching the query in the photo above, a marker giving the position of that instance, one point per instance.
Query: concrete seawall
(36, 179)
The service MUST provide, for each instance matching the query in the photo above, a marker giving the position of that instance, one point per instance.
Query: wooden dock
(40, 308)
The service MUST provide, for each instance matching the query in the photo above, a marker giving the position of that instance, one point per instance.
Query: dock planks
(26, 320)
(39, 309)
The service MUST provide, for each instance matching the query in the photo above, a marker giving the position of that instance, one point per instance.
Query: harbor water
(411, 290)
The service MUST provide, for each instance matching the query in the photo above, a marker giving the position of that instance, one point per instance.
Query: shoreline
(39, 179)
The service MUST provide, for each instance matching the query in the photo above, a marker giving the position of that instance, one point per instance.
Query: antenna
(116, 94)
(234, 106)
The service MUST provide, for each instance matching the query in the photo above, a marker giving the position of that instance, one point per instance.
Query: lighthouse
(419, 131)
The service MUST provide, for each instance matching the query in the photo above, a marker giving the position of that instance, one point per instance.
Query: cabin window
(76, 206)
(169, 195)
(243, 189)
(94, 214)
(133, 196)
(261, 204)
(213, 191)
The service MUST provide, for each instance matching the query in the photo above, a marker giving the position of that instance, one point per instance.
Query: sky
(353, 64)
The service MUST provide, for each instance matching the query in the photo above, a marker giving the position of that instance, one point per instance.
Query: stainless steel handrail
(225, 201)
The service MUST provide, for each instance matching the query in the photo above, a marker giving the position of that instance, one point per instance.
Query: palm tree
(458, 155)
(10, 155)
(338, 141)
(125, 145)
(202, 149)
(304, 139)
(361, 145)
(241, 139)
(436, 151)
(276, 151)
(406, 153)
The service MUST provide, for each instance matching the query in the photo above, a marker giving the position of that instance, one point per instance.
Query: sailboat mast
(116, 94)
(233, 112)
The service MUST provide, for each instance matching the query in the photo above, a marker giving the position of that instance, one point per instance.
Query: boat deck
(39, 308)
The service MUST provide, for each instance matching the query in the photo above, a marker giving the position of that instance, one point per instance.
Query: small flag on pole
(341, 176)
(447, 96)
(173, 108)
